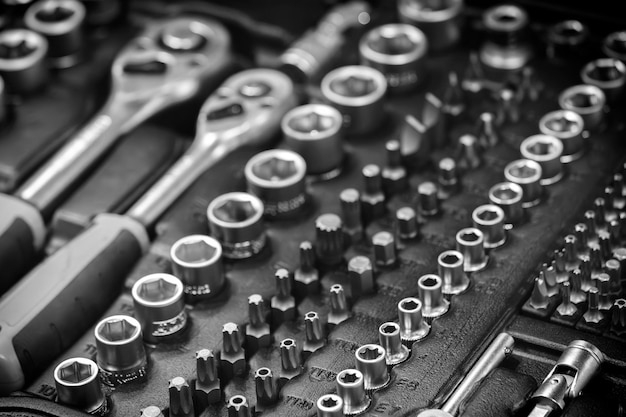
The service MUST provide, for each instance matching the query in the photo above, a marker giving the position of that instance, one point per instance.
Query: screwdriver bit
(238, 406)
(350, 199)
(372, 197)
(338, 306)
(468, 155)
(314, 334)
(428, 198)
(207, 388)
(566, 308)
(539, 298)
(384, 247)
(181, 400)
(306, 278)
(151, 411)
(487, 131)
(618, 317)
(329, 241)
(407, 227)
(593, 315)
(266, 389)
(577, 295)
(258, 330)
(394, 174)
(283, 304)
(291, 365)
(232, 360)
(447, 178)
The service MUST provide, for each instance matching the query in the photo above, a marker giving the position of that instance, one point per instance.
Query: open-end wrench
(167, 64)
(52, 306)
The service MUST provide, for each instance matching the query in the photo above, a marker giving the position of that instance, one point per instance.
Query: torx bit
(351, 389)
(593, 315)
(566, 308)
(618, 317)
(350, 199)
(283, 304)
(338, 306)
(447, 178)
(474, 74)
(291, 365)
(258, 329)
(603, 283)
(329, 239)
(412, 324)
(406, 223)
(508, 108)
(577, 295)
(238, 406)
(306, 277)
(548, 272)
(600, 208)
(428, 198)
(614, 270)
(232, 360)
(539, 298)
(361, 276)
(581, 231)
(266, 389)
(585, 273)
(207, 388)
(372, 197)
(370, 360)
(330, 405)
(486, 130)
(430, 289)
(604, 242)
(595, 259)
(314, 334)
(181, 400)
(570, 251)
(434, 119)
(394, 174)
(384, 247)
(590, 221)
(389, 338)
(468, 154)
(454, 100)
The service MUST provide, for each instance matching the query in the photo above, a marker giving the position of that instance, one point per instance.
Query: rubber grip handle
(50, 308)
(22, 233)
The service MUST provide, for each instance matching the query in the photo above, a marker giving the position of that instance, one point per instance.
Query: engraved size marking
(287, 206)
(319, 374)
(299, 402)
(171, 326)
(399, 79)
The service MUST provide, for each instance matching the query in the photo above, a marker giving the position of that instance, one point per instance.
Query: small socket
(489, 219)
(546, 151)
(351, 389)
(509, 196)
(451, 270)
(370, 360)
(586, 100)
(411, 321)
(77, 385)
(389, 339)
(527, 175)
(567, 126)
(470, 242)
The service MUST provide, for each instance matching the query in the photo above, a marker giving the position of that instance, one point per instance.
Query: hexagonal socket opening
(75, 372)
(275, 169)
(235, 211)
(195, 251)
(391, 43)
(156, 290)
(353, 86)
(312, 122)
(117, 329)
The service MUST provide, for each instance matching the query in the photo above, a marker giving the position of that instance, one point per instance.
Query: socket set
(407, 208)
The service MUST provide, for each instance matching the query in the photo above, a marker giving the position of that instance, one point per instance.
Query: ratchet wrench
(167, 64)
(53, 305)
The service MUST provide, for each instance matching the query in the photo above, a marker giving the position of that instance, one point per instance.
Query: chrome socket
(526, 174)
(159, 306)
(314, 132)
(397, 50)
(60, 21)
(566, 40)
(586, 100)
(23, 66)
(506, 47)
(608, 74)
(351, 389)
(470, 242)
(389, 339)
(614, 45)
(430, 289)
(77, 384)
(276, 177)
(236, 221)
(370, 360)
(197, 261)
(357, 92)
(508, 196)
(489, 219)
(329, 405)
(567, 126)
(450, 268)
(411, 321)
(546, 151)
(121, 354)
(440, 21)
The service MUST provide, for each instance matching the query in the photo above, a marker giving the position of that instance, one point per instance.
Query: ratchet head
(247, 109)
(171, 59)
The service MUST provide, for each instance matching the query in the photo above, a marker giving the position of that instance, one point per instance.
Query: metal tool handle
(22, 233)
(62, 171)
(56, 302)
(246, 110)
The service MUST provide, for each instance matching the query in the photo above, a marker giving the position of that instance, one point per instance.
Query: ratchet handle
(61, 298)
(22, 233)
